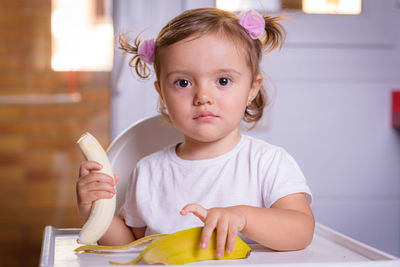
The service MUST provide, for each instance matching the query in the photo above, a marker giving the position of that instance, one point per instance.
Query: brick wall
(39, 158)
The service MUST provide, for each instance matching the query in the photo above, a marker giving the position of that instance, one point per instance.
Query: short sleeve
(283, 177)
(130, 211)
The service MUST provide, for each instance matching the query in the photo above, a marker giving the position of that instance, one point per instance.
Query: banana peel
(177, 248)
(135, 244)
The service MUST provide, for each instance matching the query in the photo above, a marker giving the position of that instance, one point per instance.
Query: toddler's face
(206, 83)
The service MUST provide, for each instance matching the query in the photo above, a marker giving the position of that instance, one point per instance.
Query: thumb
(116, 178)
(196, 209)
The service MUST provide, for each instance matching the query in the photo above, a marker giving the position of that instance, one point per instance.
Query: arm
(120, 234)
(287, 225)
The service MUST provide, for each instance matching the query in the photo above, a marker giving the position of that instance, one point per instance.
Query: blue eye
(183, 83)
(224, 81)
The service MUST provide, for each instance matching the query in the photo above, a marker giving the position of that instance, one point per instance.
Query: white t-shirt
(252, 173)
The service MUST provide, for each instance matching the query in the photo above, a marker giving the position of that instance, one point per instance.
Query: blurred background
(331, 86)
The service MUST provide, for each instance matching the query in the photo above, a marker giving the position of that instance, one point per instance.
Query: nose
(203, 96)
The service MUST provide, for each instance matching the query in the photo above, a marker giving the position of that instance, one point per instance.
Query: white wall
(133, 99)
(331, 110)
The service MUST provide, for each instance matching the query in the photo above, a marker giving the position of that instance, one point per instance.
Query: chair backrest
(140, 139)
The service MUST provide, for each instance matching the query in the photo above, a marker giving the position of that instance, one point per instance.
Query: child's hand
(92, 186)
(228, 222)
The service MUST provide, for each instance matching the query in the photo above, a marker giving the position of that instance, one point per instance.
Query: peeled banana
(177, 248)
(102, 211)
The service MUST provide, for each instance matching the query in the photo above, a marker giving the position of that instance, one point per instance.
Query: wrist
(241, 210)
(84, 212)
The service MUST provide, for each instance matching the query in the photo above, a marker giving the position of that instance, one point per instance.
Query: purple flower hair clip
(253, 23)
(147, 50)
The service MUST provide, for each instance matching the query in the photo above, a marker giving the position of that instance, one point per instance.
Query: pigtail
(273, 38)
(142, 69)
(275, 33)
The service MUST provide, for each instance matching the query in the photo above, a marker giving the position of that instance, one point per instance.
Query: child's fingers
(116, 178)
(96, 195)
(94, 190)
(96, 177)
(95, 186)
(87, 166)
(222, 231)
(208, 229)
(230, 242)
(196, 209)
(102, 194)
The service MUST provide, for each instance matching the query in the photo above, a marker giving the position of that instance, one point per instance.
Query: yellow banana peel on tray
(176, 248)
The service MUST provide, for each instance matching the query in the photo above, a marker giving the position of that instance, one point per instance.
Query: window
(345, 7)
(308, 6)
(82, 35)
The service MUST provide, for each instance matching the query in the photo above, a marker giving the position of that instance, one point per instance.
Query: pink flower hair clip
(253, 23)
(147, 50)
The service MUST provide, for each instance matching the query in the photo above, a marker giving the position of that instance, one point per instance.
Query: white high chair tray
(329, 248)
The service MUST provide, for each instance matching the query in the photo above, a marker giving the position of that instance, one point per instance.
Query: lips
(204, 115)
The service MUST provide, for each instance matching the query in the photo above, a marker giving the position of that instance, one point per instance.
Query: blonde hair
(198, 22)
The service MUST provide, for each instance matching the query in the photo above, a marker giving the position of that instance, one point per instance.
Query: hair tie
(147, 50)
(253, 23)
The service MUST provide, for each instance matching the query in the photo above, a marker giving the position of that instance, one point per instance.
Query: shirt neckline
(173, 156)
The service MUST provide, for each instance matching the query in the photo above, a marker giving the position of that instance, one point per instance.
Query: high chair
(140, 139)
(329, 248)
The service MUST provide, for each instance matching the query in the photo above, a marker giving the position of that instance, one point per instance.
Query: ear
(255, 87)
(158, 89)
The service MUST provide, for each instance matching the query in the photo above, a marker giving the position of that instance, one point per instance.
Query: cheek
(176, 102)
(235, 102)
